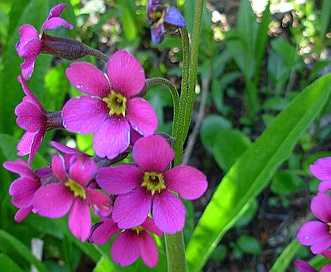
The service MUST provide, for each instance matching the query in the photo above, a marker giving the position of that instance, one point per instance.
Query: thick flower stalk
(130, 243)
(32, 117)
(148, 186)
(111, 108)
(75, 192)
(160, 16)
(30, 43)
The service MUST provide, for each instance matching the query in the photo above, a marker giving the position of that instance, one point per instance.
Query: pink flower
(22, 189)
(149, 186)
(32, 117)
(111, 108)
(130, 243)
(305, 267)
(321, 169)
(316, 234)
(30, 43)
(74, 192)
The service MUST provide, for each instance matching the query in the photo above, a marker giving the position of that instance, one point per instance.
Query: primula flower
(321, 169)
(111, 108)
(148, 186)
(22, 189)
(30, 44)
(74, 192)
(305, 267)
(130, 243)
(32, 117)
(159, 15)
(316, 234)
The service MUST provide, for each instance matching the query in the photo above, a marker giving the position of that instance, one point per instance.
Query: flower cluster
(134, 201)
(317, 233)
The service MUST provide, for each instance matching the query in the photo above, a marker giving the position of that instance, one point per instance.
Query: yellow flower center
(153, 182)
(76, 188)
(158, 17)
(116, 103)
(138, 229)
(329, 224)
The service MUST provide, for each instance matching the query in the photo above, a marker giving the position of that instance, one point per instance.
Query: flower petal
(141, 116)
(119, 179)
(101, 203)
(112, 138)
(321, 207)
(29, 117)
(54, 23)
(88, 79)
(80, 219)
(315, 234)
(20, 167)
(22, 191)
(82, 170)
(168, 212)
(153, 153)
(102, 231)
(84, 114)
(59, 168)
(303, 266)
(22, 213)
(125, 73)
(157, 33)
(27, 34)
(321, 168)
(131, 209)
(53, 200)
(125, 249)
(189, 182)
(149, 225)
(148, 249)
(174, 17)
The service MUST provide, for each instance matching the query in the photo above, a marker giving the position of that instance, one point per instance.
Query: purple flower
(22, 189)
(74, 192)
(111, 108)
(30, 44)
(305, 267)
(32, 117)
(130, 243)
(159, 15)
(149, 186)
(321, 169)
(316, 234)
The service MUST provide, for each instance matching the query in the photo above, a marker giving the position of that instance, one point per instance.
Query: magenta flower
(130, 243)
(305, 267)
(316, 234)
(159, 15)
(111, 108)
(321, 169)
(30, 44)
(22, 189)
(32, 117)
(74, 192)
(149, 186)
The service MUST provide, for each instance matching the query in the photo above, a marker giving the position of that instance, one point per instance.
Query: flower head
(148, 186)
(159, 15)
(22, 189)
(130, 243)
(321, 169)
(32, 117)
(316, 234)
(111, 109)
(30, 44)
(73, 192)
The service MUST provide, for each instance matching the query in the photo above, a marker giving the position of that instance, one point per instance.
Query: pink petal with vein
(141, 116)
(102, 232)
(101, 203)
(153, 153)
(321, 169)
(168, 212)
(59, 168)
(80, 219)
(88, 79)
(54, 23)
(22, 191)
(189, 182)
(125, 73)
(84, 114)
(119, 179)
(22, 213)
(112, 138)
(29, 117)
(150, 226)
(82, 170)
(148, 249)
(321, 207)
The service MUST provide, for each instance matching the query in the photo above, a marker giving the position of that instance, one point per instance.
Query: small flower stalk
(135, 202)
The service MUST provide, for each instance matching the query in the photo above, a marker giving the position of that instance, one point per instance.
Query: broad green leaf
(104, 264)
(9, 264)
(249, 244)
(285, 182)
(252, 171)
(18, 251)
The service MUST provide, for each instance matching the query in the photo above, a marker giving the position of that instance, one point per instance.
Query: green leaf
(18, 251)
(285, 182)
(127, 19)
(252, 171)
(104, 264)
(249, 244)
(9, 264)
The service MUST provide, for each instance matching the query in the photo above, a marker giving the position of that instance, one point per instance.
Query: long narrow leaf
(253, 170)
